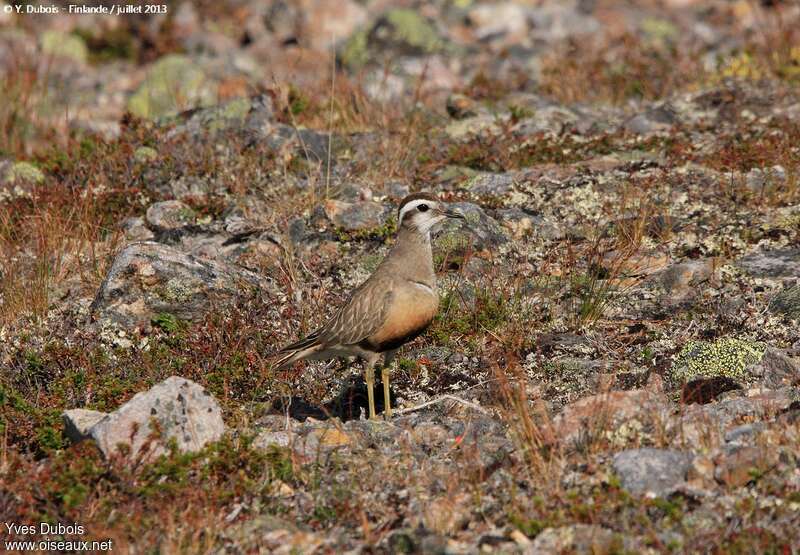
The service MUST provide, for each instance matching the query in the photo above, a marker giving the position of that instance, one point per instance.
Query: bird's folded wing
(360, 317)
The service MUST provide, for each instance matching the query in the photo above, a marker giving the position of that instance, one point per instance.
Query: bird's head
(422, 211)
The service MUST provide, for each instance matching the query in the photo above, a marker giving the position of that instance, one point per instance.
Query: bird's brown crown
(415, 196)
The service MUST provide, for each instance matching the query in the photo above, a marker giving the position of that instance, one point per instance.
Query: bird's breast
(412, 310)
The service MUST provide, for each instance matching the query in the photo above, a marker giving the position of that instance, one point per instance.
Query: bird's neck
(414, 256)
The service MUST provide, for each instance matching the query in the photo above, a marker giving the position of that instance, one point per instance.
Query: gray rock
(771, 264)
(577, 538)
(268, 438)
(78, 423)
(681, 280)
(478, 229)
(651, 471)
(787, 302)
(655, 120)
(178, 409)
(492, 184)
(355, 216)
(776, 369)
(169, 215)
(149, 278)
(249, 118)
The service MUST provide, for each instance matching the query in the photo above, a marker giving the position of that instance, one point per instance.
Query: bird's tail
(296, 351)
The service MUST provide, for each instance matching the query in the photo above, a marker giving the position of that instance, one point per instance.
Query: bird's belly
(410, 314)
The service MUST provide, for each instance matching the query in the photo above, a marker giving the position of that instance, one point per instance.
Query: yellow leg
(387, 401)
(369, 377)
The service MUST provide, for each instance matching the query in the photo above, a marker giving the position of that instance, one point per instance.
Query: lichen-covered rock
(728, 357)
(149, 278)
(64, 45)
(22, 172)
(174, 83)
(399, 31)
(772, 264)
(776, 369)
(478, 231)
(651, 471)
(169, 215)
(176, 410)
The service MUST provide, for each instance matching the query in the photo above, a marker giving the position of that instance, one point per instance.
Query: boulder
(174, 83)
(651, 471)
(176, 410)
(149, 278)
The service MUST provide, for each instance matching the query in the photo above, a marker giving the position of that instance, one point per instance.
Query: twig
(441, 398)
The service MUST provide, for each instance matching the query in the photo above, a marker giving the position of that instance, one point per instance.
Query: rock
(398, 32)
(325, 21)
(737, 465)
(269, 438)
(654, 120)
(787, 302)
(728, 357)
(22, 172)
(149, 278)
(776, 369)
(78, 423)
(648, 471)
(136, 230)
(63, 45)
(355, 216)
(772, 264)
(478, 229)
(609, 413)
(174, 83)
(492, 184)
(508, 20)
(446, 514)
(576, 538)
(169, 215)
(681, 281)
(180, 409)
(250, 118)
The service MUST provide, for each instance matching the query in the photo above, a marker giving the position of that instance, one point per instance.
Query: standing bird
(396, 303)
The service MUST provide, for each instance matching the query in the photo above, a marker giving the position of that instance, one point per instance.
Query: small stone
(651, 471)
(78, 422)
(175, 409)
(169, 215)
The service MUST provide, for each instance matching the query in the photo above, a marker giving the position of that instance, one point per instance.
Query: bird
(392, 307)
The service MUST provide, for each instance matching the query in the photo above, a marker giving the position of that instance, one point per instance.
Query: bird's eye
(423, 208)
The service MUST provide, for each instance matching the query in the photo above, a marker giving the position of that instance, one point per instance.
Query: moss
(354, 54)
(787, 302)
(728, 357)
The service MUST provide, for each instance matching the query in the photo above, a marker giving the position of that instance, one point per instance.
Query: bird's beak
(453, 214)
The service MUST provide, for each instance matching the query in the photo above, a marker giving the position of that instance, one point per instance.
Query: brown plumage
(393, 306)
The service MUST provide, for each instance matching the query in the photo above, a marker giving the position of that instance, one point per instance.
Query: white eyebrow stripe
(411, 206)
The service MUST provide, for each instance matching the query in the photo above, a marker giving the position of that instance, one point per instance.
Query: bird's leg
(369, 377)
(387, 400)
